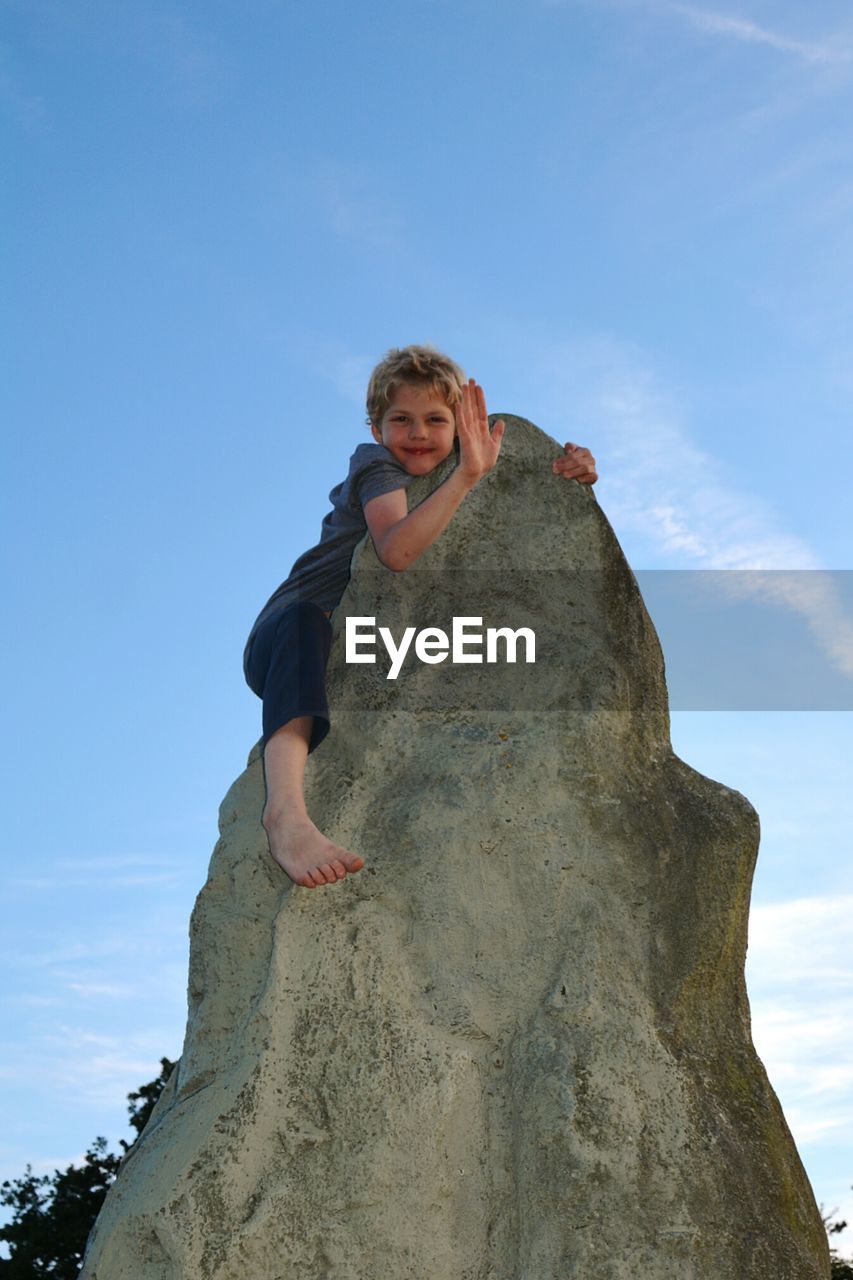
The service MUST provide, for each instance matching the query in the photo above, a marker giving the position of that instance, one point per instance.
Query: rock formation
(517, 1045)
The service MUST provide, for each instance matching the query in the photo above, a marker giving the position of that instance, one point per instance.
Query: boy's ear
(375, 432)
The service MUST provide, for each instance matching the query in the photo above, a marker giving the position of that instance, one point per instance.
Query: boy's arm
(400, 538)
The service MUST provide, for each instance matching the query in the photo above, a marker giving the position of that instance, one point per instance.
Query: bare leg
(298, 847)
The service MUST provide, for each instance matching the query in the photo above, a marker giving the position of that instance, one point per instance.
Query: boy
(419, 409)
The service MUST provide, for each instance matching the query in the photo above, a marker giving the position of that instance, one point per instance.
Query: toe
(339, 868)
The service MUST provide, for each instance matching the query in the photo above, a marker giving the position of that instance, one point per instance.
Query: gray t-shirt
(321, 574)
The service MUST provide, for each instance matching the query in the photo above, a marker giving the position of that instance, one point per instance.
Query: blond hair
(421, 366)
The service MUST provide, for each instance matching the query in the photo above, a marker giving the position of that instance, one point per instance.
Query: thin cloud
(801, 992)
(801, 987)
(113, 862)
(88, 1064)
(825, 52)
(104, 873)
(107, 1079)
(100, 989)
(332, 361)
(29, 1000)
(803, 936)
(815, 597)
(59, 883)
(749, 32)
(708, 523)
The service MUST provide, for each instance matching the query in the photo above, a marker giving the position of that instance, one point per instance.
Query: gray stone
(516, 1046)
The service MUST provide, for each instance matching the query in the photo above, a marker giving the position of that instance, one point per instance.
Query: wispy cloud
(112, 990)
(91, 1065)
(705, 522)
(800, 981)
(59, 883)
(102, 1070)
(330, 360)
(113, 862)
(802, 938)
(119, 871)
(836, 50)
(816, 598)
(749, 32)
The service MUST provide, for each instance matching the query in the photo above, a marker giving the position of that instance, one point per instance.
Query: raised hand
(579, 464)
(478, 447)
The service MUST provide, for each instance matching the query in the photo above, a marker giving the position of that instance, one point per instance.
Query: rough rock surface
(517, 1045)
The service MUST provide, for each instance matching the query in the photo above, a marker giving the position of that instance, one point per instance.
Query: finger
(498, 430)
(464, 427)
(578, 450)
(481, 404)
(465, 405)
(580, 457)
(462, 408)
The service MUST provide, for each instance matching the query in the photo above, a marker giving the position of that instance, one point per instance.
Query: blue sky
(629, 220)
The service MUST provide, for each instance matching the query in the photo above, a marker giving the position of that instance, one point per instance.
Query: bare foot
(304, 853)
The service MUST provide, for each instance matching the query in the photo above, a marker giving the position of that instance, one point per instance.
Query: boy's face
(418, 428)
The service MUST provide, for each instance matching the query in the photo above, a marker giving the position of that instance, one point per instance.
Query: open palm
(478, 446)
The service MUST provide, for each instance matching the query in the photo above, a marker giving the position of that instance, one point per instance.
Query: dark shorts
(286, 667)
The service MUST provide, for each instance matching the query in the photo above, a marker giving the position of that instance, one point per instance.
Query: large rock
(517, 1045)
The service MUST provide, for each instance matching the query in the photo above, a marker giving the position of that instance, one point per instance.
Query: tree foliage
(842, 1268)
(141, 1103)
(52, 1215)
